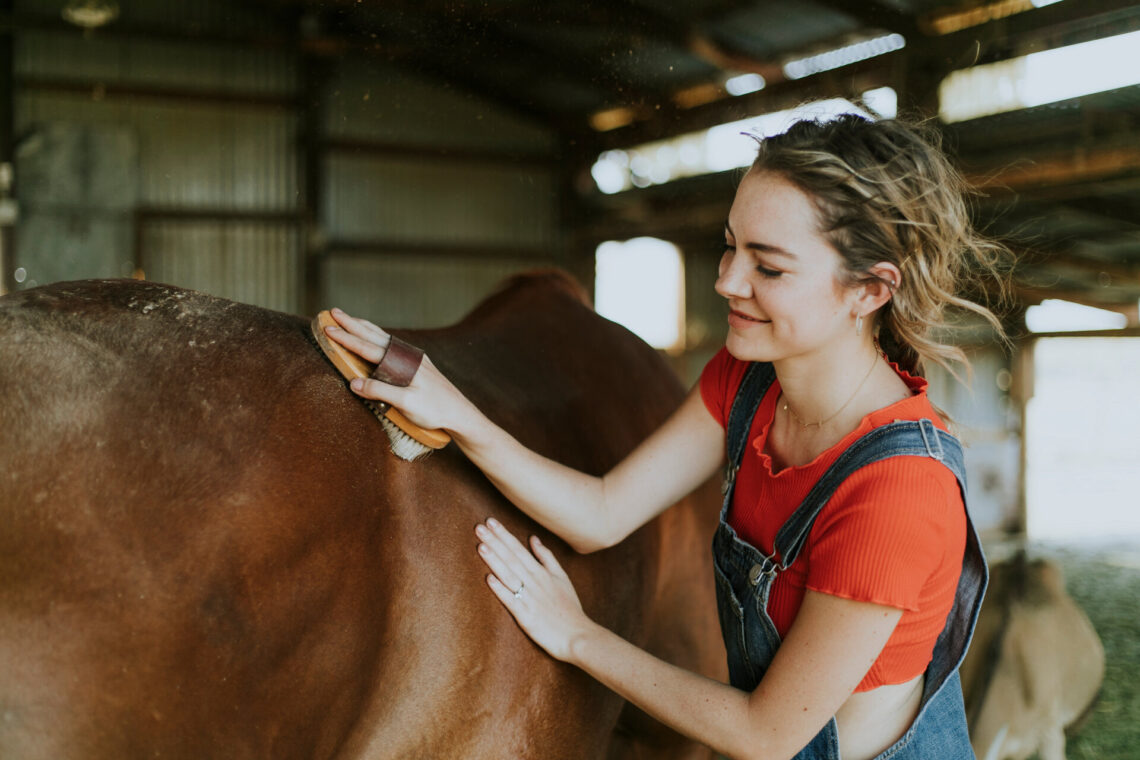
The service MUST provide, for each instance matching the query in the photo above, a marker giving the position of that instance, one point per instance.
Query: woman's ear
(883, 279)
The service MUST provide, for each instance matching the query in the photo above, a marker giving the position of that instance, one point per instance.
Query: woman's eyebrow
(761, 247)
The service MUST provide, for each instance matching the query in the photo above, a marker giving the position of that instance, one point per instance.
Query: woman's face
(780, 275)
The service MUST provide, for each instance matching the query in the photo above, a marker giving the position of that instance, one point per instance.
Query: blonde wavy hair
(885, 191)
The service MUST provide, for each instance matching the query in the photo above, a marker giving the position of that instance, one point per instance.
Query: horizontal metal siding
(413, 291)
(429, 204)
(191, 65)
(370, 101)
(193, 154)
(252, 263)
(199, 16)
(209, 155)
(407, 200)
(196, 14)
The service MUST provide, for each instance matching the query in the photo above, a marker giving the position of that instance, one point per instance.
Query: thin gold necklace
(821, 423)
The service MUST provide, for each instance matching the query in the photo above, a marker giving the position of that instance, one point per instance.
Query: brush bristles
(402, 444)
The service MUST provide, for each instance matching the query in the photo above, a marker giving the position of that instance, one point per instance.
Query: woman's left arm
(828, 650)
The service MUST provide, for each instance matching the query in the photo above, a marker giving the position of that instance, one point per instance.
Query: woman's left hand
(534, 588)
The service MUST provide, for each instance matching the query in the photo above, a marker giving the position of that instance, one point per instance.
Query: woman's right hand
(430, 401)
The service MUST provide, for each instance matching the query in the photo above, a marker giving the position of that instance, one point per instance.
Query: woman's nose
(732, 281)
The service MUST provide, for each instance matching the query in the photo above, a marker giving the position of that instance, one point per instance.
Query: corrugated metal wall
(372, 100)
(417, 237)
(398, 200)
(250, 262)
(200, 156)
(419, 185)
(411, 290)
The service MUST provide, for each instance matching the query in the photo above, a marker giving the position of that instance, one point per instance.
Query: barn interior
(399, 159)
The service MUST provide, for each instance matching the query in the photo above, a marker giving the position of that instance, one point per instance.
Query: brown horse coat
(207, 549)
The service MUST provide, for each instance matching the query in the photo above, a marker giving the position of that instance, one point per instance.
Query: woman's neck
(822, 386)
(824, 400)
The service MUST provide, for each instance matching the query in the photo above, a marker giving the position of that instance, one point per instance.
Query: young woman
(848, 574)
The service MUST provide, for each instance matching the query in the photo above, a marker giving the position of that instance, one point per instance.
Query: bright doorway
(1082, 438)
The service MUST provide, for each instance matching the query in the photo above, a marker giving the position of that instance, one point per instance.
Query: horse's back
(167, 555)
(208, 550)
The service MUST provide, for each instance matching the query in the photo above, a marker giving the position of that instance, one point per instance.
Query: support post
(311, 158)
(7, 155)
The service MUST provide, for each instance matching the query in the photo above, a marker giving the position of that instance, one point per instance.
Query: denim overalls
(744, 578)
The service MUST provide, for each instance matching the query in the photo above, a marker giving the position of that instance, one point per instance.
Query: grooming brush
(409, 440)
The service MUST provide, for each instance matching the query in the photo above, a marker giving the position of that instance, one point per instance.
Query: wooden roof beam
(407, 53)
(993, 40)
(1083, 164)
(875, 14)
(1124, 213)
(1030, 295)
(1121, 274)
(848, 82)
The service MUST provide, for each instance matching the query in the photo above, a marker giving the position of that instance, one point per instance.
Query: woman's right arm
(588, 512)
(592, 513)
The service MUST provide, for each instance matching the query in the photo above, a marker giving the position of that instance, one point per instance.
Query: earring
(858, 324)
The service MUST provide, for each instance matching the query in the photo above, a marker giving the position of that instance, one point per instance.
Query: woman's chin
(742, 349)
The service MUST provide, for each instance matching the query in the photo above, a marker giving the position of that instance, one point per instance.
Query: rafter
(997, 37)
(434, 63)
(1082, 164)
(1124, 214)
(847, 82)
(1039, 258)
(877, 15)
(1030, 295)
(264, 37)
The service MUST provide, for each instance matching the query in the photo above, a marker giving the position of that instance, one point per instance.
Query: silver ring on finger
(518, 593)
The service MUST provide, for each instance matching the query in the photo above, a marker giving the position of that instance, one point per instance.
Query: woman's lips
(741, 320)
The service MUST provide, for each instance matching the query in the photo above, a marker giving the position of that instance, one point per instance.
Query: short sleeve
(719, 381)
(888, 530)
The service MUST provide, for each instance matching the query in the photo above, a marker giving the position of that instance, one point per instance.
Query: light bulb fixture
(90, 14)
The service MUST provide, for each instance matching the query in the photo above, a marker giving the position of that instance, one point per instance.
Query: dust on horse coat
(208, 550)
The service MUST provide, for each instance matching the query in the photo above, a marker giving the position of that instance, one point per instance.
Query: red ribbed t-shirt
(893, 533)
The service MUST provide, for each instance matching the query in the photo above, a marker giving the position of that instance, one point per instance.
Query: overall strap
(906, 438)
(901, 438)
(757, 379)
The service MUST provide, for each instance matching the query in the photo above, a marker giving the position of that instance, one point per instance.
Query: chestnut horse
(207, 549)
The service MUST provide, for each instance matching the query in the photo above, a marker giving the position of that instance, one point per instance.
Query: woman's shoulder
(905, 480)
(906, 477)
(909, 486)
(915, 406)
(911, 500)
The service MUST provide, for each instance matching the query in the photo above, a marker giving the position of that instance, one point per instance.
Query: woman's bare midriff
(870, 721)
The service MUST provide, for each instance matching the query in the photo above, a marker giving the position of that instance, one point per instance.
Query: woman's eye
(730, 250)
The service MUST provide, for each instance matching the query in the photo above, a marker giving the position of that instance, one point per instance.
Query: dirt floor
(1105, 581)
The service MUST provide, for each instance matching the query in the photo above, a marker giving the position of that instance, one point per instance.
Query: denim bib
(744, 577)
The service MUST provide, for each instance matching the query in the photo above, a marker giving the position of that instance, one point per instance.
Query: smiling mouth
(741, 315)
